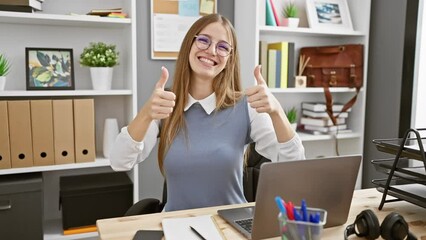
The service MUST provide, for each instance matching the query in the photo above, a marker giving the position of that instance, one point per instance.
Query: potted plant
(291, 15)
(292, 117)
(4, 70)
(101, 58)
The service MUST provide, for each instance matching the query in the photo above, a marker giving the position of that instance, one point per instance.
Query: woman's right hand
(161, 103)
(159, 106)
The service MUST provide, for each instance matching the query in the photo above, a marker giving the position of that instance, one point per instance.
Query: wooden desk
(125, 227)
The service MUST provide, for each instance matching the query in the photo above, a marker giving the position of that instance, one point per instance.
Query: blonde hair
(226, 85)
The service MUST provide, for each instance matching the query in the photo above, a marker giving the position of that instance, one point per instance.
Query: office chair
(148, 205)
(250, 179)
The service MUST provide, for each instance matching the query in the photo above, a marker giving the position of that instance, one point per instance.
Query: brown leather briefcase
(334, 66)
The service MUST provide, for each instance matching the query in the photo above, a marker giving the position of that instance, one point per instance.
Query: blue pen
(280, 204)
(304, 211)
(315, 217)
(297, 216)
(300, 226)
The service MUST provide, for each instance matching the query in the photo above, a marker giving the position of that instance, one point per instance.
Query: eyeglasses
(203, 42)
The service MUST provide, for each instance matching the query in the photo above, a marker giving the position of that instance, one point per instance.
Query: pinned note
(189, 8)
(207, 6)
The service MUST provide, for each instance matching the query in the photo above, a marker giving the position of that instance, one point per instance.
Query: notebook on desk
(326, 183)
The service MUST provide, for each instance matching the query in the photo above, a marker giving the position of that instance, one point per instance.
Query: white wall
(418, 109)
(418, 118)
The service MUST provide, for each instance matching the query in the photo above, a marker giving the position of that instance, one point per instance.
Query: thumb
(163, 79)
(258, 75)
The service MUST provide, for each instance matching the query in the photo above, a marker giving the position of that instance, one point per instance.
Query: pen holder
(301, 230)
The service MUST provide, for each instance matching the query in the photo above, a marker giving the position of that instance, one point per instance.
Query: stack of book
(278, 63)
(108, 12)
(315, 119)
(21, 5)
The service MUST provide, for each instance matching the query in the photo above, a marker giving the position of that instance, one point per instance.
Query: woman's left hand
(259, 97)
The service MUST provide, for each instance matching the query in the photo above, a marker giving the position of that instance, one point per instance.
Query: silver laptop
(326, 183)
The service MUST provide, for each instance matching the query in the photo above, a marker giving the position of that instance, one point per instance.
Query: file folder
(84, 130)
(63, 131)
(4, 137)
(21, 149)
(42, 131)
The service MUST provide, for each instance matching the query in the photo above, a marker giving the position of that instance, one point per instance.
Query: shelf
(53, 231)
(305, 137)
(417, 174)
(312, 90)
(13, 93)
(413, 193)
(57, 27)
(308, 32)
(99, 162)
(405, 183)
(62, 20)
(410, 149)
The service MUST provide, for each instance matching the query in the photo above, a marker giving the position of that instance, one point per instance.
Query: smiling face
(207, 64)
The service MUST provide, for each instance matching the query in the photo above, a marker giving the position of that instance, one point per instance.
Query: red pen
(290, 210)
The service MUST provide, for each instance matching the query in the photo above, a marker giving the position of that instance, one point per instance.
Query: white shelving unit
(63, 24)
(251, 28)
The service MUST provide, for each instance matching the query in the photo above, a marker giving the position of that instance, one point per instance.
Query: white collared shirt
(127, 152)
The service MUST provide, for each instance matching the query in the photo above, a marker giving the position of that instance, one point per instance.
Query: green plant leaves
(4, 65)
(291, 115)
(290, 10)
(99, 55)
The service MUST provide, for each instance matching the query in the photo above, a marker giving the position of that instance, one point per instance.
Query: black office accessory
(21, 206)
(148, 235)
(403, 182)
(197, 233)
(393, 227)
(87, 198)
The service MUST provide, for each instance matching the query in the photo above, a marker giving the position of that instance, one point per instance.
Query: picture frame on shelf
(49, 68)
(328, 14)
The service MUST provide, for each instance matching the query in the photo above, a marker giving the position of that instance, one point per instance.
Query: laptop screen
(326, 183)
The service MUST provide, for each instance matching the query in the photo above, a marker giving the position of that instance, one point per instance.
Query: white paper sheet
(169, 31)
(179, 228)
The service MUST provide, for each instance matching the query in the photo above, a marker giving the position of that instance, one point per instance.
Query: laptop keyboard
(245, 223)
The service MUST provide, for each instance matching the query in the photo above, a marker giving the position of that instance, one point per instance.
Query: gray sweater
(204, 167)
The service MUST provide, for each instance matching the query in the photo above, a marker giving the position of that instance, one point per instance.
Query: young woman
(206, 122)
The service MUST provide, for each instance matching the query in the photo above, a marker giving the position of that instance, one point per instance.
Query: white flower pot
(101, 77)
(2, 82)
(290, 22)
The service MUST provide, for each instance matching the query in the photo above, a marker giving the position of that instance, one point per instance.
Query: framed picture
(328, 14)
(49, 69)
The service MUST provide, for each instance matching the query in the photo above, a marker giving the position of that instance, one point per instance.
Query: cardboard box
(87, 198)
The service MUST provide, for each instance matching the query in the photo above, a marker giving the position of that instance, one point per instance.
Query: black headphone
(394, 227)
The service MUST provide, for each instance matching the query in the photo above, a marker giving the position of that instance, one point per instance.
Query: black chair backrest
(251, 173)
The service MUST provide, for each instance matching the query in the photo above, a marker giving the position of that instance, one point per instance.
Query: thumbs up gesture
(259, 97)
(161, 103)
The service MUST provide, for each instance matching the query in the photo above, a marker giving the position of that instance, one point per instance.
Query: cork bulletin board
(170, 20)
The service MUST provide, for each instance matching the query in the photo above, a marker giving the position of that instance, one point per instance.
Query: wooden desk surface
(125, 227)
